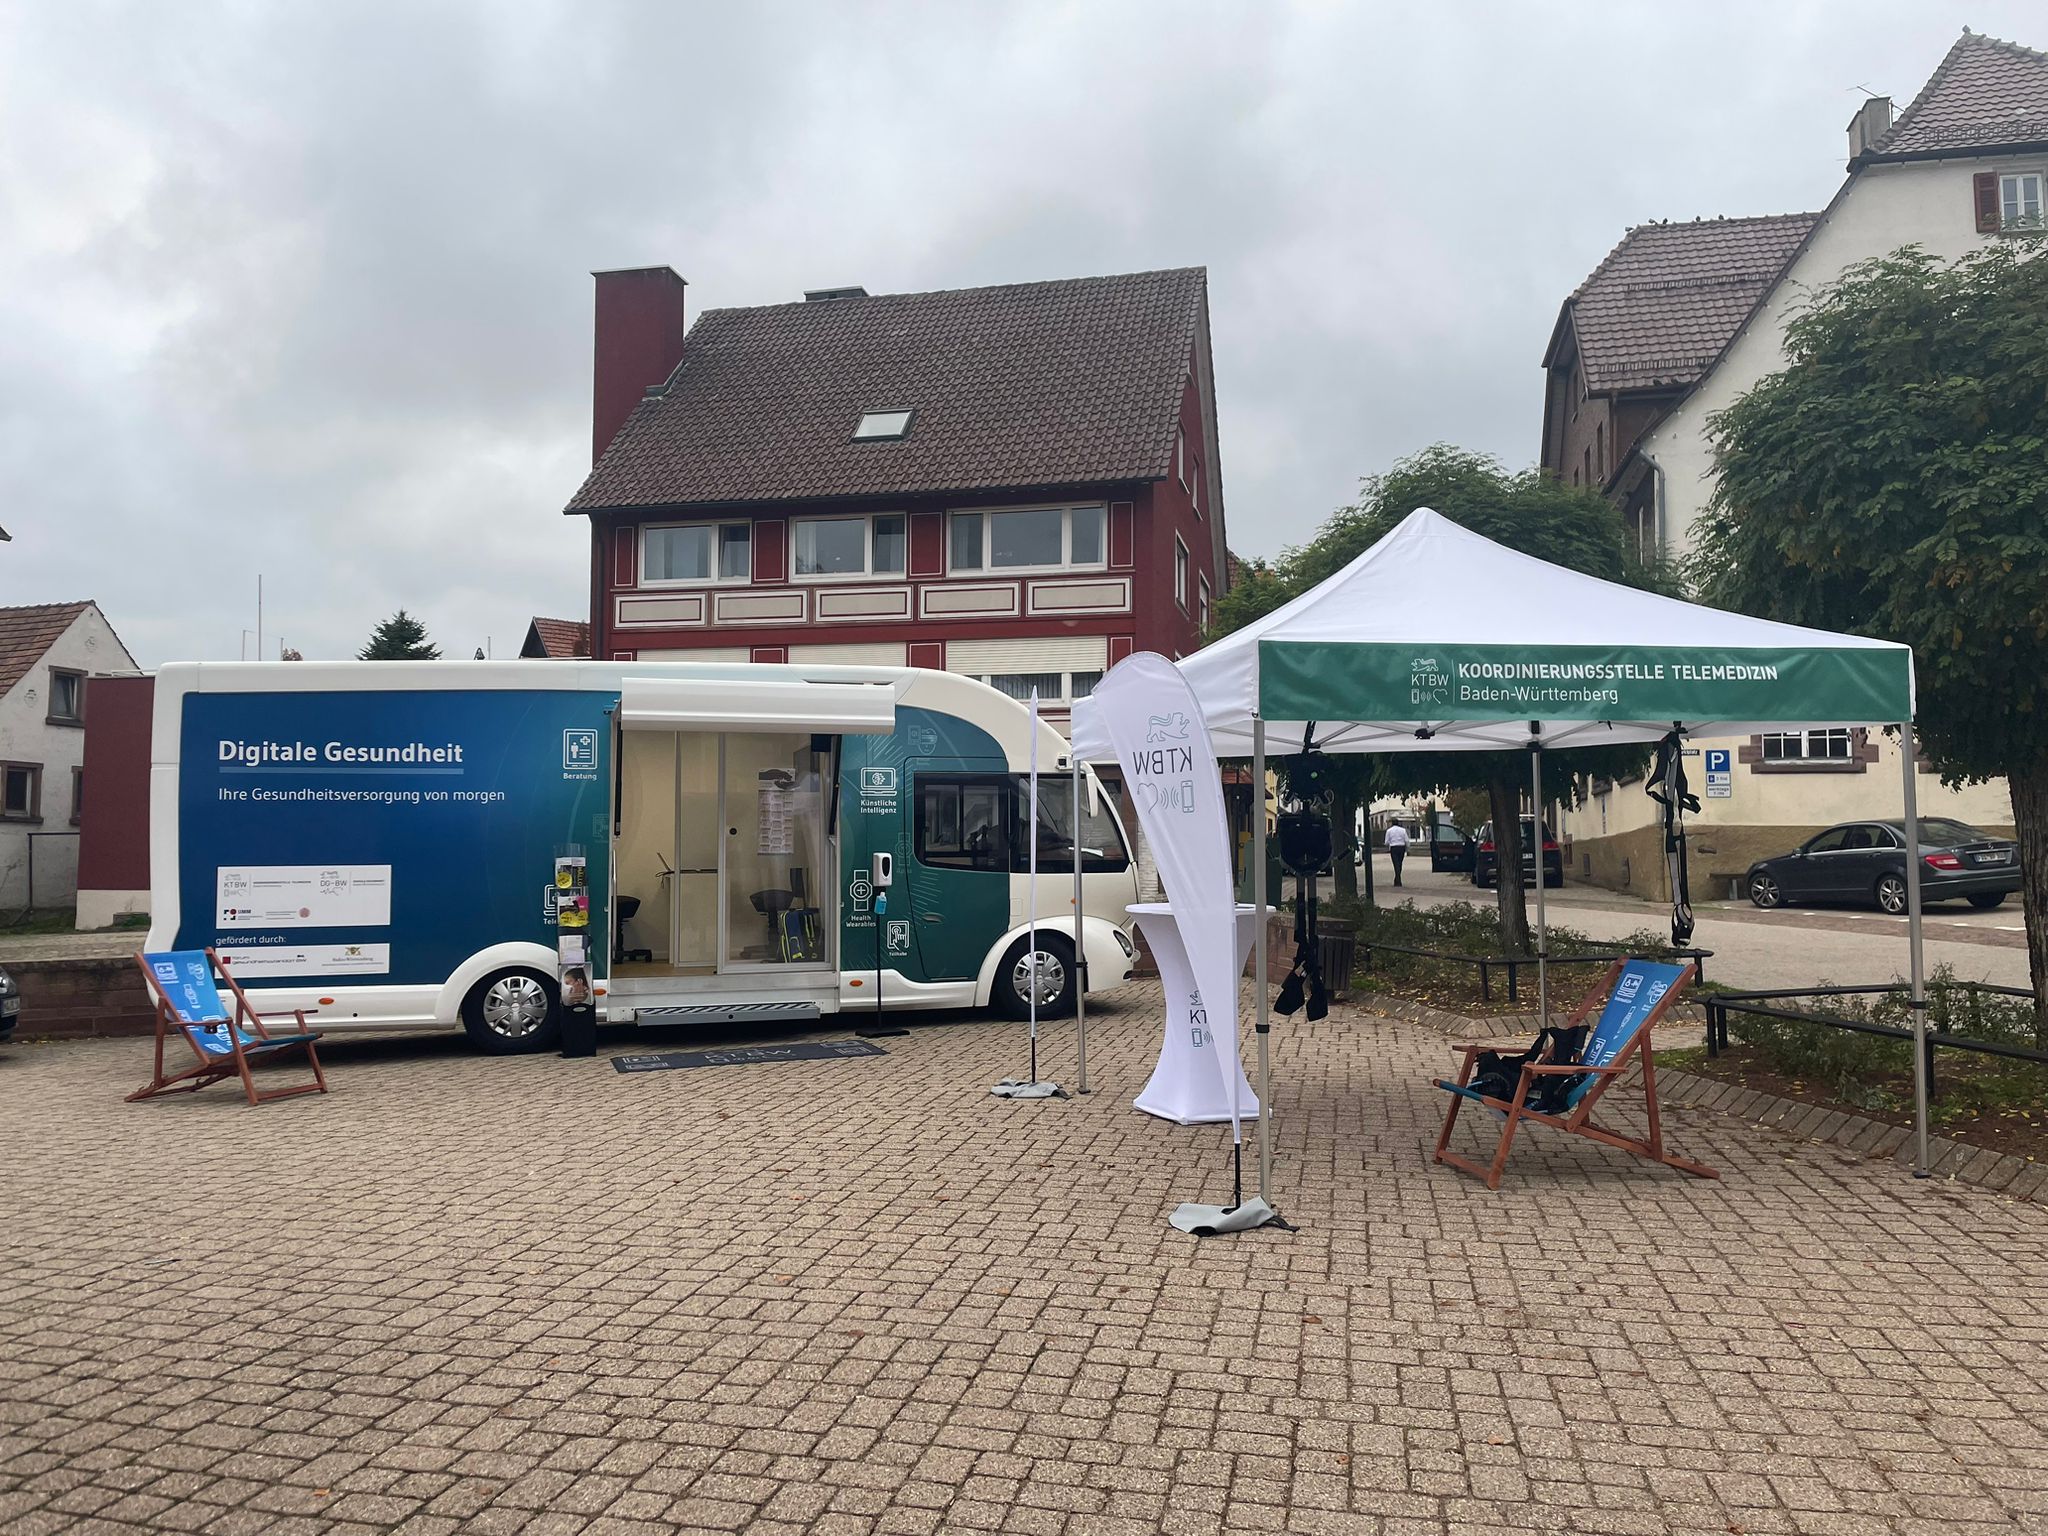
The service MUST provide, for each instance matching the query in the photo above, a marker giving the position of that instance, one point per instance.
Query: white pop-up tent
(1439, 640)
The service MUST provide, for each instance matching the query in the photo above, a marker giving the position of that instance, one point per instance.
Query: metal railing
(1763, 1004)
(1513, 964)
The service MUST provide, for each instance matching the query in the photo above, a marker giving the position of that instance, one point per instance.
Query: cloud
(303, 290)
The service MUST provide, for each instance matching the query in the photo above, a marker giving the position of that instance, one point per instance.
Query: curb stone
(2002, 1172)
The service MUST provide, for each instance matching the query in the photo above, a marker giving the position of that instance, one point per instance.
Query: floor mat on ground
(741, 1055)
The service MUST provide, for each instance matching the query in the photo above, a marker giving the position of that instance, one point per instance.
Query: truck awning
(732, 704)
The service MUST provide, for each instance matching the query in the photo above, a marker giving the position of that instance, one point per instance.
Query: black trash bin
(1337, 949)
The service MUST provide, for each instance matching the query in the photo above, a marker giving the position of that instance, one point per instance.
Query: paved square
(540, 1296)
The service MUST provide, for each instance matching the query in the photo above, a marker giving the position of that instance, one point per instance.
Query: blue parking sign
(1720, 774)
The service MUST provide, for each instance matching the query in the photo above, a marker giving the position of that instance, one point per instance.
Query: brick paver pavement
(539, 1296)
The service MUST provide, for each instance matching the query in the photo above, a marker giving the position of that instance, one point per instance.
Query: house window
(21, 791)
(1600, 447)
(1807, 747)
(1029, 538)
(1053, 687)
(1180, 457)
(1180, 573)
(2019, 200)
(697, 554)
(1202, 612)
(850, 546)
(881, 426)
(67, 697)
(1195, 489)
(966, 541)
(77, 795)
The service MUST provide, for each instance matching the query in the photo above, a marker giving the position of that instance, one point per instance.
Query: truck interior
(724, 843)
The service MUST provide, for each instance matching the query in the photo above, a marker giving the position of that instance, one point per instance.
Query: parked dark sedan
(1865, 861)
(10, 1006)
(1486, 861)
(1449, 849)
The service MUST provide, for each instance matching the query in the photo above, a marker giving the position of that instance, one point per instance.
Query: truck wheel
(1055, 979)
(511, 1012)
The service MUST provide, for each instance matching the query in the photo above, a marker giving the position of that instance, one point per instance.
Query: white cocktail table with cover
(1186, 1086)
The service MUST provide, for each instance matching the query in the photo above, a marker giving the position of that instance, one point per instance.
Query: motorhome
(409, 845)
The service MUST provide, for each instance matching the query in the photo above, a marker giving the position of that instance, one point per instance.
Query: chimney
(639, 343)
(1873, 120)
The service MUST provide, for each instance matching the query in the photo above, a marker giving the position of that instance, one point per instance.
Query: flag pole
(1031, 1087)
(1080, 942)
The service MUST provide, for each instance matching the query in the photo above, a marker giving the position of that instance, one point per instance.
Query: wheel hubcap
(1051, 977)
(515, 1006)
(1765, 891)
(1891, 896)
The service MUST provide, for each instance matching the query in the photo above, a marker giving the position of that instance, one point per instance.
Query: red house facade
(1020, 483)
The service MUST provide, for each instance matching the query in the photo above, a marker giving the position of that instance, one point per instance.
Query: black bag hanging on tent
(1668, 788)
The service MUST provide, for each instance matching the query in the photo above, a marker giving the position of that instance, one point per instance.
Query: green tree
(1527, 510)
(1892, 481)
(399, 638)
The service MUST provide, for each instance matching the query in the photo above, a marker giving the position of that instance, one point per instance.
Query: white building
(1675, 325)
(47, 651)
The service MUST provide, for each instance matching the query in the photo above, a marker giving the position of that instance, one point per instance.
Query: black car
(10, 1005)
(1486, 861)
(1865, 861)
(1449, 849)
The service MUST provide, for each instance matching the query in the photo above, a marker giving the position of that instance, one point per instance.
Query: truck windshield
(1102, 842)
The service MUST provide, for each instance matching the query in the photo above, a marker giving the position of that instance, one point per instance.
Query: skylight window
(877, 426)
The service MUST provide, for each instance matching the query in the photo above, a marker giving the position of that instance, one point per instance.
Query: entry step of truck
(731, 1013)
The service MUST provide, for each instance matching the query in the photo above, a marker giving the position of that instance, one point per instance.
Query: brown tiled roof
(1075, 382)
(557, 637)
(1657, 312)
(25, 633)
(1986, 94)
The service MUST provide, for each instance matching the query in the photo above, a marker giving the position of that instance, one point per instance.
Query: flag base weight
(1210, 1220)
(1011, 1088)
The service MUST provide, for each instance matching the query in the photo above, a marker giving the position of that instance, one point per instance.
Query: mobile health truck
(408, 845)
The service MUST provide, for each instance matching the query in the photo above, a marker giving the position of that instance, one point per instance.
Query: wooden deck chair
(225, 1042)
(1637, 994)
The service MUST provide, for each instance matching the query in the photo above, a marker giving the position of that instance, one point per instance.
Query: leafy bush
(1461, 928)
(1873, 1072)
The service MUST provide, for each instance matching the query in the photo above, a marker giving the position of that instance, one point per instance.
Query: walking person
(1397, 846)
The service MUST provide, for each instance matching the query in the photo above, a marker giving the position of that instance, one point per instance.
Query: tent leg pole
(1542, 925)
(1080, 936)
(1917, 1001)
(1264, 1025)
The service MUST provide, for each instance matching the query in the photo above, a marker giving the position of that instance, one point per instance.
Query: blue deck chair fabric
(187, 980)
(1637, 991)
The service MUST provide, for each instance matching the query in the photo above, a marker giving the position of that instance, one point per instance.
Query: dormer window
(882, 426)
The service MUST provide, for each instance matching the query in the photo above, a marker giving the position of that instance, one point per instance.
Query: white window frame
(1180, 456)
(2023, 224)
(714, 579)
(1183, 567)
(1807, 741)
(867, 572)
(1066, 677)
(989, 570)
(1202, 611)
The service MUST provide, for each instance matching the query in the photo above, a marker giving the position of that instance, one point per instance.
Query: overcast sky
(303, 289)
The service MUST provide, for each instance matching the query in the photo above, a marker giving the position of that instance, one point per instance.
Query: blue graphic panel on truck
(366, 838)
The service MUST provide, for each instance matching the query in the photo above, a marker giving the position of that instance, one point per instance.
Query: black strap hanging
(1668, 788)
